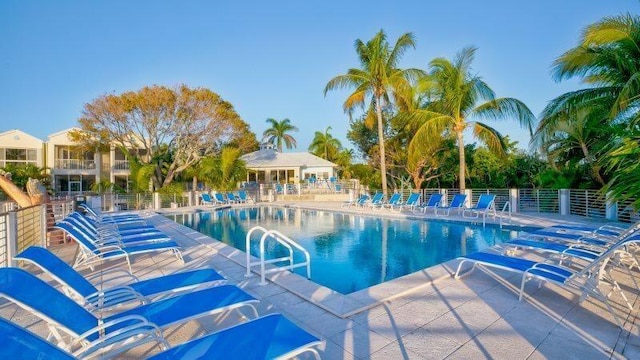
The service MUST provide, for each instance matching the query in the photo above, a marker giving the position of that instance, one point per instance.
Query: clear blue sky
(268, 58)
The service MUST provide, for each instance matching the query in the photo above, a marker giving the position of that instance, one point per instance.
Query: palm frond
(491, 137)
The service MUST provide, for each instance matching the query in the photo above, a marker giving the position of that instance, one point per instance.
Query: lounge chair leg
(522, 282)
(457, 275)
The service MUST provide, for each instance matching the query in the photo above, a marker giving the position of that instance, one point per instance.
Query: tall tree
(279, 133)
(325, 145)
(223, 172)
(607, 59)
(457, 99)
(175, 126)
(575, 135)
(378, 77)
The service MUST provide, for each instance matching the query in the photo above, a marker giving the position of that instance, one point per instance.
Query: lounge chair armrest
(139, 326)
(610, 227)
(101, 300)
(111, 274)
(109, 249)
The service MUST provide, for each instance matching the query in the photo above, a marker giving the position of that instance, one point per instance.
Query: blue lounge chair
(434, 201)
(89, 253)
(604, 231)
(232, 198)
(20, 343)
(376, 200)
(244, 198)
(585, 280)
(359, 202)
(546, 234)
(143, 323)
(113, 236)
(457, 203)
(205, 199)
(220, 199)
(410, 204)
(111, 228)
(394, 200)
(268, 337)
(111, 218)
(85, 293)
(483, 207)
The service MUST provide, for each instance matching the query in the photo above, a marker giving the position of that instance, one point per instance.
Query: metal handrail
(506, 207)
(282, 240)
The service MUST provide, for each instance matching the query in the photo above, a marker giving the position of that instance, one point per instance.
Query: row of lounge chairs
(576, 258)
(88, 320)
(225, 199)
(484, 207)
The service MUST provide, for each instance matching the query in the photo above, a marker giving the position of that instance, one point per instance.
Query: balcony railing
(75, 164)
(121, 165)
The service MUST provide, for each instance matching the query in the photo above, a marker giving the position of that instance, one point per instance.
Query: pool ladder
(506, 208)
(282, 240)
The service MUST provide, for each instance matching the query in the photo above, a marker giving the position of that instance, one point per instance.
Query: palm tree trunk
(463, 162)
(383, 163)
(594, 168)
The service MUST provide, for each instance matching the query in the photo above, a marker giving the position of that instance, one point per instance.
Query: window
(18, 156)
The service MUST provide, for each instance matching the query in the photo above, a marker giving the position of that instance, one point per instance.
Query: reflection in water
(349, 252)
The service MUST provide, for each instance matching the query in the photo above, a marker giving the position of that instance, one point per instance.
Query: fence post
(12, 237)
(191, 198)
(156, 201)
(565, 202)
(611, 212)
(467, 201)
(514, 200)
(43, 225)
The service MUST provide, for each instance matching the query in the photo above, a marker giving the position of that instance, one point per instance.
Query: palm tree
(607, 58)
(455, 97)
(278, 133)
(325, 145)
(574, 136)
(378, 77)
(343, 159)
(224, 171)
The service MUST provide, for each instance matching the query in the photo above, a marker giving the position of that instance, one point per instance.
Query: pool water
(350, 252)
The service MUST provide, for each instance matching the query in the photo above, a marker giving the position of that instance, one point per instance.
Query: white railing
(587, 203)
(282, 240)
(75, 164)
(539, 200)
(20, 229)
(505, 208)
(120, 165)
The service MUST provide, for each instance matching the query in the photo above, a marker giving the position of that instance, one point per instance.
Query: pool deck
(425, 315)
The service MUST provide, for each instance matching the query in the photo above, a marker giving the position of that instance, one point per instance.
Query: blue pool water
(350, 252)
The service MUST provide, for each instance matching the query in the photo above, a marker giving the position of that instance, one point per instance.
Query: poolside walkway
(435, 317)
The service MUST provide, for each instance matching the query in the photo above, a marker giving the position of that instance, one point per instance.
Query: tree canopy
(378, 77)
(278, 133)
(175, 127)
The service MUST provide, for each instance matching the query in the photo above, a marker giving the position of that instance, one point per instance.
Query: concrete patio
(425, 315)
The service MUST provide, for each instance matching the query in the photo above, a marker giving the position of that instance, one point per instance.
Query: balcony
(75, 164)
(121, 165)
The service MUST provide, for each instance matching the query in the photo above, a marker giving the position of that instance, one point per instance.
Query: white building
(271, 166)
(72, 169)
(18, 147)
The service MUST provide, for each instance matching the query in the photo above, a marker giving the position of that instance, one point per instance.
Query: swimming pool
(351, 252)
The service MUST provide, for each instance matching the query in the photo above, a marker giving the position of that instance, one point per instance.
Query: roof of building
(272, 158)
(19, 135)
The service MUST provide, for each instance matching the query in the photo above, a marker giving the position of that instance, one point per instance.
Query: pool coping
(341, 305)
